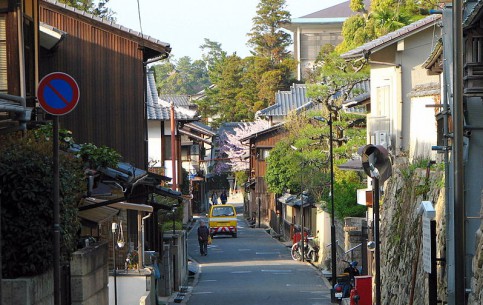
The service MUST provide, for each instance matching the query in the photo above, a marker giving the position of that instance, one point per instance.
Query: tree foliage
(183, 76)
(267, 37)
(242, 86)
(384, 16)
(98, 8)
(27, 204)
(308, 166)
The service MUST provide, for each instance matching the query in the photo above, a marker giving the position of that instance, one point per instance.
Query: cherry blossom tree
(231, 154)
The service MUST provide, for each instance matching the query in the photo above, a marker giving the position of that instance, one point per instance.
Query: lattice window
(3, 55)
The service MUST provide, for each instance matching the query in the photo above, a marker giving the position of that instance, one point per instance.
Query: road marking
(203, 292)
(267, 253)
(244, 249)
(277, 271)
(209, 281)
(241, 272)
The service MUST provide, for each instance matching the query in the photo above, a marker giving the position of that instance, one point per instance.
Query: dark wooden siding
(108, 68)
(13, 63)
(265, 141)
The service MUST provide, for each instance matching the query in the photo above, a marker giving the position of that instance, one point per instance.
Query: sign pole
(58, 94)
(433, 276)
(56, 227)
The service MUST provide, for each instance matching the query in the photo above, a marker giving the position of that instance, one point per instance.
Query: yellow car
(222, 220)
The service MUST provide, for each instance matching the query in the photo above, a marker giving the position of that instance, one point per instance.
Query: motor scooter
(345, 281)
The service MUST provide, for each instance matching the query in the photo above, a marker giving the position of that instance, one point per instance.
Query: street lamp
(377, 165)
(113, 229)
(302, 224)
(332, 213)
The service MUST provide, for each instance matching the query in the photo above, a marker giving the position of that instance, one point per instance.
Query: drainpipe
(459, 197)
(141, 253)
(173, 148)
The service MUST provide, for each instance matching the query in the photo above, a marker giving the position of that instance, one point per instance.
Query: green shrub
(96, 157)
(26, 180)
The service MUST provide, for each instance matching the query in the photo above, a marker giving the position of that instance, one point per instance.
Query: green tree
(212, 53)
(226, 98)
(308, 166)
(181, 76)
(27, 216)
(383, 17)
(98, 8)
(273, 67)
(267, 37)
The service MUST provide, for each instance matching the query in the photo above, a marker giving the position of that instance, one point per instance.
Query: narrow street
(252, 269)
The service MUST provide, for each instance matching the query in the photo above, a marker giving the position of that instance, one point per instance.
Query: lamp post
(301, 209)
(113, 229)
(333, 244)
(377, 165)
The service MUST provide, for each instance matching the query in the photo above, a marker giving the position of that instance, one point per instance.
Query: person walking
(223, 197)
(203, 235)
(214, 198)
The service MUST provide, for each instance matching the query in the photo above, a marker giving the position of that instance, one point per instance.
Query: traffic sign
(58, 93)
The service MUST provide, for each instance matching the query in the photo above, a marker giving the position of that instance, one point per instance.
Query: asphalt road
(250, 270)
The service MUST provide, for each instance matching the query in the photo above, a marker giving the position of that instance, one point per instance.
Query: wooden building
(261, 206)
(108, 62)
(19, 40)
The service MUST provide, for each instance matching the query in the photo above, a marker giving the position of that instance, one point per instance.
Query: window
(167, 148)
(263, 153)
(3, 55)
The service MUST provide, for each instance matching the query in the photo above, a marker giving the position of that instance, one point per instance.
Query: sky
(185, 23)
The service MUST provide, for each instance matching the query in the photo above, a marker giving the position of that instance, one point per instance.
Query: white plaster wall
(154, 142)
(399, 67)
(385, 110)
(423, 134)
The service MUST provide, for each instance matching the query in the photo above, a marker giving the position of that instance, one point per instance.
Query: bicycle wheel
(296, 255)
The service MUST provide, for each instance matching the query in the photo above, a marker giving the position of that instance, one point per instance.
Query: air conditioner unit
(364, 197)
(382, 138)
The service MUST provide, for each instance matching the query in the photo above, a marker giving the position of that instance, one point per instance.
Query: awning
(49, 36)
(117, 205)
(98, 215)
(166, 192)
(352, 165)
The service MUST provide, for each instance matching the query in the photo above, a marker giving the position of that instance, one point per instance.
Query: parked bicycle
(311, 249)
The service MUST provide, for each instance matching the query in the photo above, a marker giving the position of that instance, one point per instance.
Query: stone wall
(89, 281)
(36, 290)
(403, 280)
(89, 275)
(476, 296)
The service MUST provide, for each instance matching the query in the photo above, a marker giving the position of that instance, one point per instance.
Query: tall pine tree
(267, 38)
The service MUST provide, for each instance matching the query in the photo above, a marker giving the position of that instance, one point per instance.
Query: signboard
(58, 93)
(427, 244)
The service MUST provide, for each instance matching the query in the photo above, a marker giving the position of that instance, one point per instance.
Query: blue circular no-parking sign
(58, 93)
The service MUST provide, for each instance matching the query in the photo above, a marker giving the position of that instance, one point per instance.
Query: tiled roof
(205, 129)
(383, 41)
(158, 109)
(109, 23)
(264, 131)
(287, 101)
(296, 99)
(339, 10)
(178, 100)
(359, 93)
(229, 127)
(472, 12)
